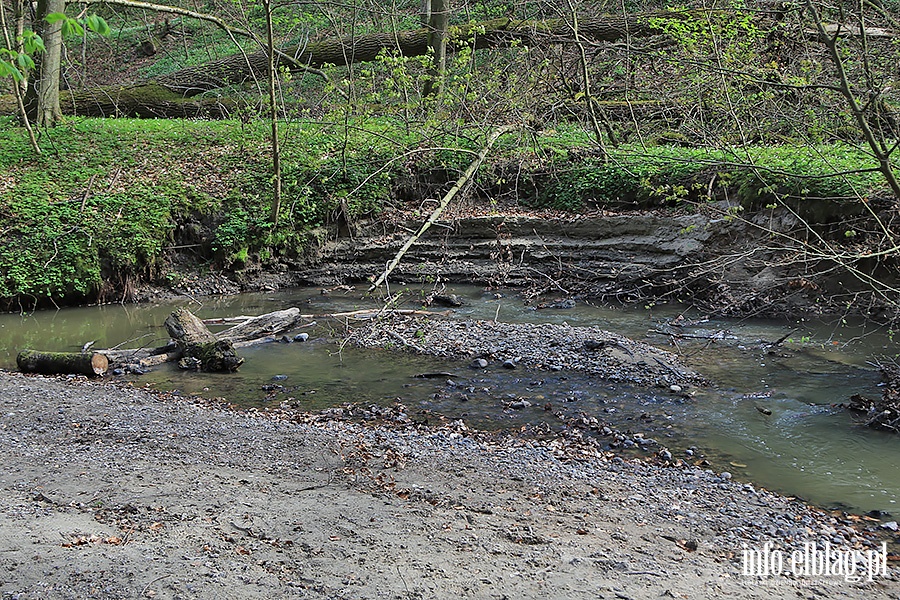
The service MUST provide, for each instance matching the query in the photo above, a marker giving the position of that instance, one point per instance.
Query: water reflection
(768, 418)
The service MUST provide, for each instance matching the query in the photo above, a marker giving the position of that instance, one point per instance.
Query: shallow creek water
(805, 447)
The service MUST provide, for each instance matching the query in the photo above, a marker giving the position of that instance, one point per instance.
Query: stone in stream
(479, 363)
(449, 300)
(509, 364)
(301, 337)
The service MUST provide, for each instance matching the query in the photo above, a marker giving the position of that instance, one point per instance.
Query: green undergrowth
(109, 201)
(815, 181)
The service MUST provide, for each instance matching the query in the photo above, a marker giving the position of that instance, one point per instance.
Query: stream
(768, 418)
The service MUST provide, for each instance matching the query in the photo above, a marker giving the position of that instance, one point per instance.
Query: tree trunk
(200, 348)
(42, 99)
(53, 363)
(438, 22)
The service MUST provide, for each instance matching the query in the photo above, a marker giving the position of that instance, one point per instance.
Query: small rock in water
(892, 525)
(556, 367)
(286, 340)
(301, 337)
(479, 363)
(675, 388)
(563, 304)
(450, 300)
(279, 377)
(689, 452)
(509, 364)
(118, 371)
(725, 475)
(665, 454)
(520, 404)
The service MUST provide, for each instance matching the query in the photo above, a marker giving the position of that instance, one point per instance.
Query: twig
(406, 342)
(147, 587)
(87, 192)
(403, 580)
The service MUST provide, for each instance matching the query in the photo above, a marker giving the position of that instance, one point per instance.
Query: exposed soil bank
(118, 493)
(725, 266)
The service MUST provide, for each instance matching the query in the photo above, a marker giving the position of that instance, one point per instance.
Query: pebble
(725, 475)
(891, 525)
(520, 404)
(301, 337)
(509, 364)
(675, 388)
(279, 377)
(479, 363)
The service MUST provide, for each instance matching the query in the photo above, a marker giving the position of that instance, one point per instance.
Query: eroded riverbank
(111, 492)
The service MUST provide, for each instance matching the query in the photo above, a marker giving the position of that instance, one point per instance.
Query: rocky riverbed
(112, 492)
(550, 347)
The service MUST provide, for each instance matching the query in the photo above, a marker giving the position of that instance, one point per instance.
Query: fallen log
(199, 347)
(54, 363)
(158, 359)
(268, 324)
(144, 357)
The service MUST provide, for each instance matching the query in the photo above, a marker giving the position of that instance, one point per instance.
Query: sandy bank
(118, 493)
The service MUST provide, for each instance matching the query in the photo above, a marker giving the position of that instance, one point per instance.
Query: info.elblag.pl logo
(813, 561)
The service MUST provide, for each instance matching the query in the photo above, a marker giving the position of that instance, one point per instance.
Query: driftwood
(52, 363)
(264, 325)
(144, 357)
(199, 347)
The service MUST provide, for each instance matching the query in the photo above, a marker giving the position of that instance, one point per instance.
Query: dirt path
(118, 493)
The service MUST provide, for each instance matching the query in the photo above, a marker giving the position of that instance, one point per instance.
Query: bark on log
(54, 363)
(132, 356)
(199, 347)
(264, 325)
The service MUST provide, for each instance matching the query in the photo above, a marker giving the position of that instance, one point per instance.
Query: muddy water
(769, 418)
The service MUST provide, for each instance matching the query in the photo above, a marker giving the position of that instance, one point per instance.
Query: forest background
(241, 136)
